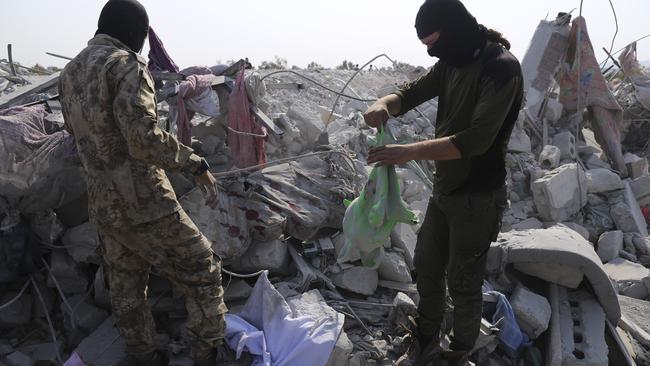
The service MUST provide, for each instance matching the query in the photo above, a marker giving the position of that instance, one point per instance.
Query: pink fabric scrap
(192, 86)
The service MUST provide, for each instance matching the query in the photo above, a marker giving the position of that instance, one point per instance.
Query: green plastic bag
(370, 218)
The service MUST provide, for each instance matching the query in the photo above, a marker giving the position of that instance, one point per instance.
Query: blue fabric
(510, 335)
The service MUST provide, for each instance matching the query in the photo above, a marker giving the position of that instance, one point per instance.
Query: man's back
(108, 104)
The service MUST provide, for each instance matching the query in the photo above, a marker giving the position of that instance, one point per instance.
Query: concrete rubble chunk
(641, 188)
(554, 252)
(577, 228)
(357, 279)
(577, 330)
(104, 347)
(627, 214)
(529, 223)
(19, 359)
(273, 256)
(602, 180)
(67, 272)
(342, 350)
(532, 310)
(631, 279)
(609, 245)
(339, 243)
(566, 142)
(636, 166)
(394, 268)
(549, 158)
(86, 316)
(82, 242)
(403, 307)
(19, 312)
(561, 193)
(42, 351)
(519, 139)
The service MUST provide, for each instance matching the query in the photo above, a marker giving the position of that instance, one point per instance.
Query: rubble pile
(565, 279)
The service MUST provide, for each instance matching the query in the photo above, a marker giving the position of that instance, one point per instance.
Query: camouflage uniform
(109, 106)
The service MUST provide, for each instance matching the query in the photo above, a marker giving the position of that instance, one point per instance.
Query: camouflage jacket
(109, 106)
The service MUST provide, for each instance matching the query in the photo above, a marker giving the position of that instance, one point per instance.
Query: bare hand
(208, 185)
(377, 114)
(390, 155)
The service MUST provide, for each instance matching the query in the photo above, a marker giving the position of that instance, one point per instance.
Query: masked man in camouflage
(107, 95)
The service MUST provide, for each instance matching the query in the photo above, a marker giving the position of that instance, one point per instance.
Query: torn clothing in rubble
(245, 136)
(582, 82)
(370, 218)
(108, 103)
(159, 59)
(275, 335)
(179, 251)
(39, 172)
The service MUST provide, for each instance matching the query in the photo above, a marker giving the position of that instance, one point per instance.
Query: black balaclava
(125, 20)
(461, 37)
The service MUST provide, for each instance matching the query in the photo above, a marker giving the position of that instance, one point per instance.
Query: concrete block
(403, 307)
(530, 223)
(551, 250)
(532, 310)
(404, 237)
(641, 189)
(577, 332)
(67, 272)
(307, 120)
(561, 193)
(361, 280)
(18, 313)
(19, 359)
(82, 242)
(602, 180)
(636, 166)
(626, 219)
(549, 158)
(562, 275)
(86, 316)
(566, 142)
(273, 256)
(393, 268)
(104, 347)
(609, 245)
(631, 279)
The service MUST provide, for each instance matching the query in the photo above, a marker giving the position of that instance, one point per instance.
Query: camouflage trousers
(178, 250)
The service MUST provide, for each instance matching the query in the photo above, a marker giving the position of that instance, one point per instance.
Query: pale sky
(201, 32)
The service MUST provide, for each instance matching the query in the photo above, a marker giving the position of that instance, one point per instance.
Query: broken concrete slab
(67, 272)
(18, 313)
(561, 193)
(560, 248)
(86, 316)
(393, 268)
(631, 279)
(357, 279)
(82, 242)
(532, 310)
(272, 256)
(403, 307)
(577, 228)
(549, 158)
(18, 359)
(602, 180)
(104, 347)
(636, 166)
(641, 189)
(609, 245)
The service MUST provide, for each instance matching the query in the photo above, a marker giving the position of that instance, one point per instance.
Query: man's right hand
(208, 185)
(377, 114)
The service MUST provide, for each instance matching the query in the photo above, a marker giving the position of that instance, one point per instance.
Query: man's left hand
(390, 155)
